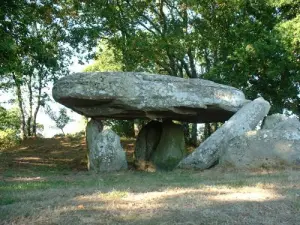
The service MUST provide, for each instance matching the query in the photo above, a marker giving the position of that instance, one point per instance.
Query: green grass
(45, 182)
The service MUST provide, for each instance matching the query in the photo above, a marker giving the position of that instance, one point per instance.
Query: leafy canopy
(252, 45)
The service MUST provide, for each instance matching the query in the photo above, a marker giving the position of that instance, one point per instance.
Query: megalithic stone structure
(246, 119)
(118, 95)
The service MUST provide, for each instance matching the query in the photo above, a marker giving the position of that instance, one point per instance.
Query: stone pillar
(146, 143)
(160, 145)
(105, 152)
(171, 147)
(93, 128)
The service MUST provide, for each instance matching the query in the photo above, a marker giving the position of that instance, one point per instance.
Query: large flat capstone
(142, 95)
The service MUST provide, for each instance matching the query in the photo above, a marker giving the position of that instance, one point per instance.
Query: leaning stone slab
(281, 122)
(106, 153)
(244, 120)
(263, 149)
(142, 95)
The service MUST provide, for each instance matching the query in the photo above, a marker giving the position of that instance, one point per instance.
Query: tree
(33, 53)
(257, 59)
(252, 45)
(106, 60)
(61, 120)
(147, 38)
(157, 42)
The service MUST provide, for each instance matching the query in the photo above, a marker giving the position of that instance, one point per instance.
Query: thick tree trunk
(21, 107)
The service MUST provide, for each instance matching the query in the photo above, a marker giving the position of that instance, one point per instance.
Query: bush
(8, 138)
(9, 127)
(123, 128)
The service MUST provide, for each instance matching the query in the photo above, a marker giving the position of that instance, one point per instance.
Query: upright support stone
(160, 146)
(147, 141)
(93, 128)
(171, 147)
(105, 152)
(246, 119)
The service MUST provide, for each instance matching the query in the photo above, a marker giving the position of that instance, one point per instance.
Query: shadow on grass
(242, 212)
(179, 197)
(45, 181)
(50, 156)
(38, 155)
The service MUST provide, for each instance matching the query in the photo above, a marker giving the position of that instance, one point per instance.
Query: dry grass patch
(64, 193)
(179, 197)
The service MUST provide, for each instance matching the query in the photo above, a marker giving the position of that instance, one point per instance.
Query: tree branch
(145, 17)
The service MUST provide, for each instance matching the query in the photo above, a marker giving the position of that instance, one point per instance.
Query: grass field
(44, 181)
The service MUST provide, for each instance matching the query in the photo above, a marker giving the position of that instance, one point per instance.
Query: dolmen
(165, 101)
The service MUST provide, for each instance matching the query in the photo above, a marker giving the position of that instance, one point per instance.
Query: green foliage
(61, 120)
(9, 119)
(255, 55)
(106, 60)
(9, 127)
(32, 53)
(123, 128)
(8, 138)
(252, 45)
(30, 30)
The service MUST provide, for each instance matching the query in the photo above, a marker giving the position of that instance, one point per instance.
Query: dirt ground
(45, 181)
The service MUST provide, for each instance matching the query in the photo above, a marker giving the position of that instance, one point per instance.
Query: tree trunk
(192, 64)
(194, 134)
(186, 131)
(29, 85)
(207, 130)
(207, 61)
(37, 106)
(130, 132)
(21, 107)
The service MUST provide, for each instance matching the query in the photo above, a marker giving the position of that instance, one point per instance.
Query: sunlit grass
(68, 194)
